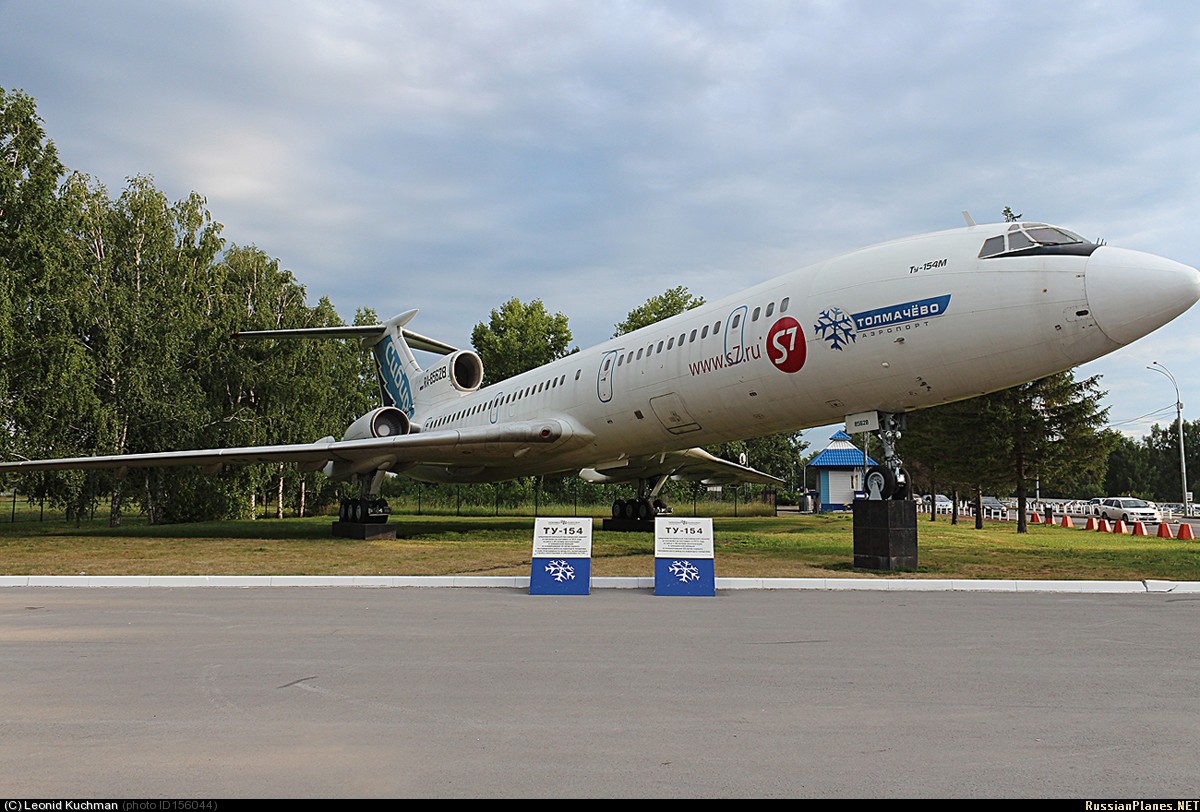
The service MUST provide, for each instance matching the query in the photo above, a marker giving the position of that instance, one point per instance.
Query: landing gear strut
(889, 480)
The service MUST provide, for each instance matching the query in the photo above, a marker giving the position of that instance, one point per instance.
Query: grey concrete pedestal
(885, 534)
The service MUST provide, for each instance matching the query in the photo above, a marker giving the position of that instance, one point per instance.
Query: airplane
(880, 331)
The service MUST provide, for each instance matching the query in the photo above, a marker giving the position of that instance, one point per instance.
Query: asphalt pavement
(411, 692)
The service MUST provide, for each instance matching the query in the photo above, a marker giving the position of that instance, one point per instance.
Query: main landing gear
(638, 514)
(365, 517)
(889, 480)
(364, 511)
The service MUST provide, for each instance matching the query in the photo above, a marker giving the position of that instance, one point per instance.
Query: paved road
(493, 693)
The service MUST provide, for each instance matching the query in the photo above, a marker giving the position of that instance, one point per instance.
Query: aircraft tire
(618, 509)
(884, 480)
(631, 509)
(904, 488)
(645, 511)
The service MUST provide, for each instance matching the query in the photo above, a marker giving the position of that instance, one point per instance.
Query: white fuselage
(894, 327)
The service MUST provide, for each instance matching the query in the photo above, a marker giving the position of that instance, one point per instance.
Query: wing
(452, 446)
(692, 464)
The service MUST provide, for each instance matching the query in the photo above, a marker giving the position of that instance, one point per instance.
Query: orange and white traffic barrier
(1066, 521)
(1035, 518)
(1103, 527)
(1119, 527)
(1164, 531)
(1185, 533)
(1139, 528)
(1091, 524)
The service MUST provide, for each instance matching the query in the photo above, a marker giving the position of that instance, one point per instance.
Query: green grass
(805, 546)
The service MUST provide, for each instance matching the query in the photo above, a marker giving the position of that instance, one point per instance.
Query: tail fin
(397, 366)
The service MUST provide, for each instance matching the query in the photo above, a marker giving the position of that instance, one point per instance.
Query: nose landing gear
(890, 479)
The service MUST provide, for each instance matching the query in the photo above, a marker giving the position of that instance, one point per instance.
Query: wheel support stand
(885, 523)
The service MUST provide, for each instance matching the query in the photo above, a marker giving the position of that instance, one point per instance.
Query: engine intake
(386, 421)
(467, 371)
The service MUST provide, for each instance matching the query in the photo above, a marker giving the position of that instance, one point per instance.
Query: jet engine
(386, 421)
(461, 371)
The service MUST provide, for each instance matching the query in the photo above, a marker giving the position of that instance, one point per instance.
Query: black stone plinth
(885, 534)
(364, 532)
(628, 525)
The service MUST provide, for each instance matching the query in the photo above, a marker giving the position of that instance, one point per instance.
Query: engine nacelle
(460, 371)
(386, 421)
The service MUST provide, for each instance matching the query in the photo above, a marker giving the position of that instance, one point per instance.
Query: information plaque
(683, 556)
(562, 557)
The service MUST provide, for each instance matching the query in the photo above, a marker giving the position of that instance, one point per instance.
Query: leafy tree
(1049, 429)
(519, 337)
(666, 304)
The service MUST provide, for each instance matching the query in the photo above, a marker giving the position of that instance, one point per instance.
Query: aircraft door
(494, 412)
(735, 335)
(605, 375)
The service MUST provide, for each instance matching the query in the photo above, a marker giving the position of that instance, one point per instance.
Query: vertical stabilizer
(397, 366)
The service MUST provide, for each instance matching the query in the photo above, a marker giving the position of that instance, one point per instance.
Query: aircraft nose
(1131, 293)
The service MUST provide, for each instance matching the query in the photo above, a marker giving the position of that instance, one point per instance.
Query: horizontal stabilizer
(368, 334)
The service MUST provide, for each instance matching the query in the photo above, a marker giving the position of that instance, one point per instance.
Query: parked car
(1128, 509)
(1091, 507)
(993, 507)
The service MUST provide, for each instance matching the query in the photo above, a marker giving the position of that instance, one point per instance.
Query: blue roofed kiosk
(839, 473)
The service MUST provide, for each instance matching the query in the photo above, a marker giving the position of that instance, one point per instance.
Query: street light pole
(1157, 367)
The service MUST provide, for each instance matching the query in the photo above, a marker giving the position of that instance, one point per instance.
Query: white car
(1128, 509)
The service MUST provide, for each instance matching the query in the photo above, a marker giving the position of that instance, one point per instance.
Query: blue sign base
(684, 576)
(560, 576)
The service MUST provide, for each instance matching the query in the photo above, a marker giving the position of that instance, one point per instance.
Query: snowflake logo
(685, 571)
(835, 326)
(561, 571)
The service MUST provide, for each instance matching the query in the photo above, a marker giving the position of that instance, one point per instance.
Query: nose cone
(1132, 294)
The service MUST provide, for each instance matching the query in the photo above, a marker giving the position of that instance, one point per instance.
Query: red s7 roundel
(786, 346)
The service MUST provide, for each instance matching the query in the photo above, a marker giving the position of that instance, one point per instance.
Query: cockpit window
(1036, 238)
(1018, 240)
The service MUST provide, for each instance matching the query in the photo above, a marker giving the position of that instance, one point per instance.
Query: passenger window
(733, 325)
(770, 309)
(606, 363)
(578, 372)
(783, 305)
(639, 355)
(754, 315)
(671, 343)
(659, 347)
(716, 328)
(692, 337)
(620, 360)
(704, 333)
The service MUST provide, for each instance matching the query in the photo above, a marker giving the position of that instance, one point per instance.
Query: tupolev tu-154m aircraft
(884, 330)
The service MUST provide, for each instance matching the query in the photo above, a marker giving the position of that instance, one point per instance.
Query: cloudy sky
(451, 155)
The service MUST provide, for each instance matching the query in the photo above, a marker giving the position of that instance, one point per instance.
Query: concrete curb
(522, 582)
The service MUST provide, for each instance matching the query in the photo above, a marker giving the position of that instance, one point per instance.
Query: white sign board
(562, 538)
(683, 538)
